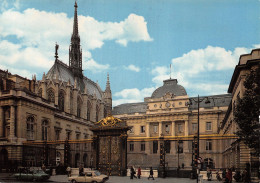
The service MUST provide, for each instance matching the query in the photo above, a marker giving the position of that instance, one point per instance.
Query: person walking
(139, 172)
(229, 176)
(132, 173)
(209, 174)
(151, 173)
(81, 171)
(68, 171)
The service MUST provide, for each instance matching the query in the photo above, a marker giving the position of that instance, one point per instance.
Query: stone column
(1, 122)
(84, 106)
(160, 129)
(67, 100)
(12, 122)
(93, 110)
(44, 90)
(147, 129)
(101, 113)
(173, 128)
(186, 133)
(75, 102)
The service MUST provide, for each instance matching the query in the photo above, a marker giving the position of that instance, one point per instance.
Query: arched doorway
(208, 162)
(85, 160)
(3, 159)
(77, 158)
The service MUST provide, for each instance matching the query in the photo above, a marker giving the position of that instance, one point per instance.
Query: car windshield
(97, 173)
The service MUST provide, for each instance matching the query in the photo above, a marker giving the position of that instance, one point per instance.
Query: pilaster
(12, 123)
(1, 122)
(186, 133)
(160, 129)
(84, 106)
(75, 98)
(93, 111)
(147, 128)
(67, 100)
(173, 128)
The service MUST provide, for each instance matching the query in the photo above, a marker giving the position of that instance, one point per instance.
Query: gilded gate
(109, 151)
(109, 155)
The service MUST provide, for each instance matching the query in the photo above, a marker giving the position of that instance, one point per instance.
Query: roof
(169, 86)
(130, 108)
(215, 101)
(62, 72)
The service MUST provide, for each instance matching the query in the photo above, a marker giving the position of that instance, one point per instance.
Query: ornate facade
(60, 106)
(236, 153)
(171, 116)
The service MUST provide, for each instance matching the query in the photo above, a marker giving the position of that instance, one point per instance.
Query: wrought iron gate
(109, 155)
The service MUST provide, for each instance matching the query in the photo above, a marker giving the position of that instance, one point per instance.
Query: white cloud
(132, 95)
(200, 64)
(132, 67)
(95, 67)
(37, 31)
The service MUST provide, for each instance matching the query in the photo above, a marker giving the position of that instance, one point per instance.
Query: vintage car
(92, 176)
(34, 175)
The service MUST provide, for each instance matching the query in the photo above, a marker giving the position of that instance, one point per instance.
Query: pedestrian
(246, 176)
(151, 173)
(139, 172)
(68, 171)
(81, 171)
(132, 173)
(43, 167)
(224, 174)
(229, 176)
(209, 174)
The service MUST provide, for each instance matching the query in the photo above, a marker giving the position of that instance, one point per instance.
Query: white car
(92, 176)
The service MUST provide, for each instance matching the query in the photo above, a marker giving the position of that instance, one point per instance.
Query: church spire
(108, 83)
(75, 23)
(75, 52)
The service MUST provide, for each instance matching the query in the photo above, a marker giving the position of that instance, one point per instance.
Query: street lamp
(198, 101)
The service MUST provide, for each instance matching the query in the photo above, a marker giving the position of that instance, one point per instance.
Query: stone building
(61, 106)
(171, 116)
(236, 153)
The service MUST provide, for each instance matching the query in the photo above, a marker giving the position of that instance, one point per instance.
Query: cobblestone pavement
(116, 179)
(112, 179)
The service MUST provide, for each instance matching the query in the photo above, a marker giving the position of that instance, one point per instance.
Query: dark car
(34, 175)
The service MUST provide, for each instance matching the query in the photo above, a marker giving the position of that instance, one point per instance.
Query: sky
(134, 41)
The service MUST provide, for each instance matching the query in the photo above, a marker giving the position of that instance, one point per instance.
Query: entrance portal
(110, 142)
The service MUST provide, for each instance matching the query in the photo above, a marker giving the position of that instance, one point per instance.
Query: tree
(247, 111)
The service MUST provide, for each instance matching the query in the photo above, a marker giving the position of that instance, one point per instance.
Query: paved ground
(116, 179)
(112, 179)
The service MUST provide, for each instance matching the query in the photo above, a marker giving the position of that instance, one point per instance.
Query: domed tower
(170, 86)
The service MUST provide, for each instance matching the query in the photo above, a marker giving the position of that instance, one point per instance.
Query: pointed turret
(75, 52)
(108, 84)
(108, 96)
(43, 77)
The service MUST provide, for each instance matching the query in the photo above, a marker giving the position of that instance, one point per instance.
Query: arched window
(79, 102)
(51, 95)
(61, 100)
(88, 111)
(71, 103)
(44, 130)
(40, 92)
(97, 113)
(105, 112)
(30, 128)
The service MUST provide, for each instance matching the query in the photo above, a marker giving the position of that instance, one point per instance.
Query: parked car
(92, 176)
(34, 175)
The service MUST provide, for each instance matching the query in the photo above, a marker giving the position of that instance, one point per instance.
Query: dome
(169, 86)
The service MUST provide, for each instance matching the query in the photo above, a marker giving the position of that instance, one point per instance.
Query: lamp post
(198, 101)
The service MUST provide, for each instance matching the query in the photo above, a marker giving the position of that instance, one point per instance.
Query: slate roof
(62, 72)
(215, 101)
(170, 85)
(130, 108)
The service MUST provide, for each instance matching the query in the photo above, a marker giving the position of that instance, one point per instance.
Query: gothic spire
(108, 83)
(75, 23)
(75, 52)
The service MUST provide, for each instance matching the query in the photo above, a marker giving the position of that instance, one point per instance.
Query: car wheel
(73, 181)
(34, 180)
(94, 182)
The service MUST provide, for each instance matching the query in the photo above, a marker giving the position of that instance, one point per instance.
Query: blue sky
(135, 41)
